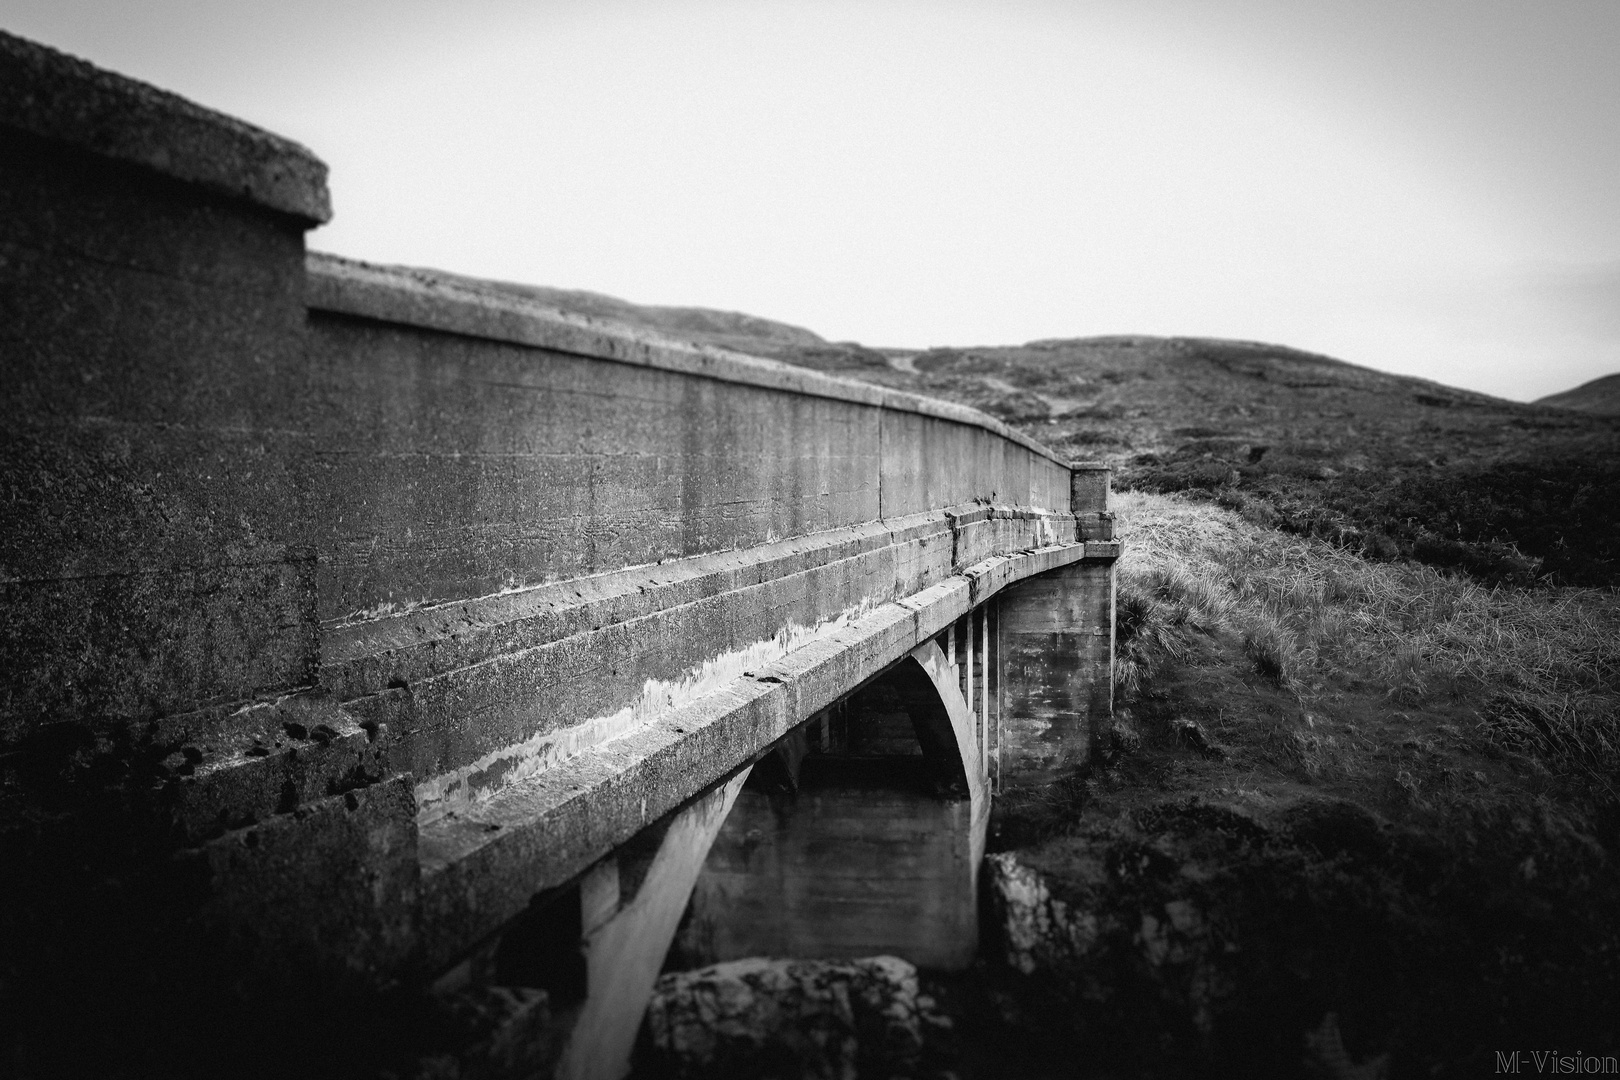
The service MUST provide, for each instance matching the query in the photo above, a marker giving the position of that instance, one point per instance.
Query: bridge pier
(1057, 651)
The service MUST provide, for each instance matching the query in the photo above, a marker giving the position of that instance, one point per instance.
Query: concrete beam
(316, 900)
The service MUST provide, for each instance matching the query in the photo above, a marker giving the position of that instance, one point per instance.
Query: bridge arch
(860, 834)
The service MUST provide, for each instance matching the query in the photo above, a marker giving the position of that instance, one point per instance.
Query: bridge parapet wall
(155, 554)
(479, 442)
(232, 469)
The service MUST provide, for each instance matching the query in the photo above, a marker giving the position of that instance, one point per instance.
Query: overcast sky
(1422, 186)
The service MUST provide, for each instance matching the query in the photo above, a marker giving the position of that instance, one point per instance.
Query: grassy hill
(1356, 815)
(1600, 397)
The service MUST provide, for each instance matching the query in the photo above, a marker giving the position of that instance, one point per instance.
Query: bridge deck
(481, 864)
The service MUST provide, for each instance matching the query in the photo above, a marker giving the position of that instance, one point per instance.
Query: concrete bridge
(438, 639)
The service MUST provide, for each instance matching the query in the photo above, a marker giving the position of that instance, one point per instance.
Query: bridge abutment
(1057, 649)
(1057, 637)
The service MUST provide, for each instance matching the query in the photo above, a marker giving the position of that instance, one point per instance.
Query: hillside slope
(1600, 397)
(703, 326)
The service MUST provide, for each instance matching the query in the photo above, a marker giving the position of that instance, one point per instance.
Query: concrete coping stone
(419, 297)
(55, 96)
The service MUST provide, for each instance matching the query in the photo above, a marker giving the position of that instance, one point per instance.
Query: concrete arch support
(931, 659)
(626, 938)
(864, 840)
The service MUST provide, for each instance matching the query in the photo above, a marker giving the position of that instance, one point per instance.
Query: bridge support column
(626, 940)
(975, 767)
(1057, 639)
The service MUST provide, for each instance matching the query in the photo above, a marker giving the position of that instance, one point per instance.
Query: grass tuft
(1269, 643)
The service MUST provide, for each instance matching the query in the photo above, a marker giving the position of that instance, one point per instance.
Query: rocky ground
(799, 1018)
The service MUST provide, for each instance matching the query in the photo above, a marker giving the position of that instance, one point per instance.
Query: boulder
(788, 1018)
(1037, 930)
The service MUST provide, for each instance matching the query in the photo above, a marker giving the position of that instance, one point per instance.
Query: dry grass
(1389, 789)
(1543, 665)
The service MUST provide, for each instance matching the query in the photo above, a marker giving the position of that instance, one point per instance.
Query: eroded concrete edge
(459, 789)
(58, 97)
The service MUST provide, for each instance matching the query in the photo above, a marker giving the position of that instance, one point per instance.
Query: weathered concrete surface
(155, 560)
(54, 96)
(447, 428)
(864, 858)
(327, 892)
(283, 753)
(557, 669)
(1089, 488)
(410, 296)
(1057, 637)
